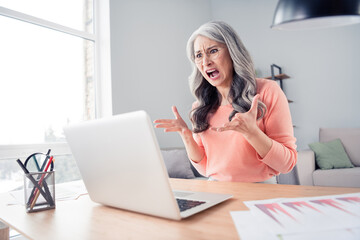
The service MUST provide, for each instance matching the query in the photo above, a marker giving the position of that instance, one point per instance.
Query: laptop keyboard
(185, 204)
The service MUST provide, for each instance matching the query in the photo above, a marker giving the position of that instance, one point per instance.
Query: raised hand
(242, 122)
(194, 152)
(173, 125)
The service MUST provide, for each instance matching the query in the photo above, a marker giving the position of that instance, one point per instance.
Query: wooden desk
(84, 219)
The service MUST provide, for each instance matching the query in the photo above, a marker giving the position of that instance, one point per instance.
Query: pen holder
(39, 191)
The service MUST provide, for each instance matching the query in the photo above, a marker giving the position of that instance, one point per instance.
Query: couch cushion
(350, 138)
(345, 177)
(331, 155)
(177, 163)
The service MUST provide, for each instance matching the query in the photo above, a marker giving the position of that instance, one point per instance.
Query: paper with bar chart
(249, 228)
(311, 214)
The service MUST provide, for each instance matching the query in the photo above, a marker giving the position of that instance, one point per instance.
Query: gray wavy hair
(243, 86)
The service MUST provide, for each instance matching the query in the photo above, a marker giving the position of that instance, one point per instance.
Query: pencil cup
(39, 191)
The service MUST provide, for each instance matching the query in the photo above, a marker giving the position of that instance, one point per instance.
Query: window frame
(102, 72)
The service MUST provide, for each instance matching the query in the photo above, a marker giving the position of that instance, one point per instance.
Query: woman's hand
(194, 152)
(174, 125)
(244, 123)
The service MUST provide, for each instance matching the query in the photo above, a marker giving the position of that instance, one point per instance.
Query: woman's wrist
(254, 134)
(194, 152)
(186, 134)
(260, 142)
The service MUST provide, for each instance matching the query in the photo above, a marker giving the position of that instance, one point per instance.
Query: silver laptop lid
(121, 164)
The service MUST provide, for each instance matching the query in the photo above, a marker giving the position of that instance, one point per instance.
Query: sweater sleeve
(278, 126)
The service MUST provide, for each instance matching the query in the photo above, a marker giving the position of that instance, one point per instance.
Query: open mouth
(213, 73)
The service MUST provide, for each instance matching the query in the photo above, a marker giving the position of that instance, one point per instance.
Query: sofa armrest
(305, 167)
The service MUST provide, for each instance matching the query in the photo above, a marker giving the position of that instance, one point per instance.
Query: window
(50, 77)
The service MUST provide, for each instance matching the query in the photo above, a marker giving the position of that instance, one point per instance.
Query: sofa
(320, 165)
(178, 164)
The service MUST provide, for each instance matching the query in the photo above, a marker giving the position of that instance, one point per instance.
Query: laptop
(122, 166)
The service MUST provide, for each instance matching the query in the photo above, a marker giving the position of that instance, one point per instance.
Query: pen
(37, 193)
(47, 156)
(31, 179)
(37, 164)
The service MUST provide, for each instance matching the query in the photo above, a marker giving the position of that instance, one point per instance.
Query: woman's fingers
(254, 106)
(164, 121)
(172, 129)
(168, 125)
(255, 102)
(253, 111)
(226, 126)
(172, 125)
(176, 113)
(165, 125)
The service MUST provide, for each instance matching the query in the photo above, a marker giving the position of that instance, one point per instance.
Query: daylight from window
(46, 80)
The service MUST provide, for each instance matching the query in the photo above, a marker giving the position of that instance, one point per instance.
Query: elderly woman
(242, 129)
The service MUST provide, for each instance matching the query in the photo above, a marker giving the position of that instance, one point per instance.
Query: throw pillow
(329, 155)
(177, 163)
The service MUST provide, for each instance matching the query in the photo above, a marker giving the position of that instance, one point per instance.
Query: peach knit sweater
(229, 157)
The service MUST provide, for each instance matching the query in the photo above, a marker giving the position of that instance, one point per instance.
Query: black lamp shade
(312, 14)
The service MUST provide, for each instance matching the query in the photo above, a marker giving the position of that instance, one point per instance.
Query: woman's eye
(215, 50)
(199, 55)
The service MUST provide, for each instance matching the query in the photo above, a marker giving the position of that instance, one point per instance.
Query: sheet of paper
(299, 215)
(340, 234)
(63, 191)
(70, 190)
(311, 218)
(248, 227)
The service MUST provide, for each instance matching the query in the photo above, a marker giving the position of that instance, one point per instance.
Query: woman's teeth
(213, 73)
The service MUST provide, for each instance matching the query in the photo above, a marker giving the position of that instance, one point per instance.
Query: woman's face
(213, 61)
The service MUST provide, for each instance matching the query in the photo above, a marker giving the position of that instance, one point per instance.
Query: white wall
(323, 65)
(150, 69)
(149, 65)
